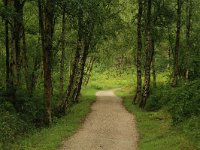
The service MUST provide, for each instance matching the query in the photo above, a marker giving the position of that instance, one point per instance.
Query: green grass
(51, 138)
(111, 80)
(155, 130)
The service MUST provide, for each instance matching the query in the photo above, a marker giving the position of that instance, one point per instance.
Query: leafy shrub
(158, 98)
(182, 102)
(185, 102)
(11, 125)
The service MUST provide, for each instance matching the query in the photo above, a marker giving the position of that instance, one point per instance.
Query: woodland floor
(109, 126)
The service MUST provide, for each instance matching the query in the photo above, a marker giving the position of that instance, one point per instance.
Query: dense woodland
(50, 50)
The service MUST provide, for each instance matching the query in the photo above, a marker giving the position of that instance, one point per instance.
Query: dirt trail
(108, 127)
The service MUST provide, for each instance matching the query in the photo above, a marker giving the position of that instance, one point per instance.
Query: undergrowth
(155, 128)
(46, 138)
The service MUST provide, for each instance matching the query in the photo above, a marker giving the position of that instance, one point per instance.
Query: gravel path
(108, 127)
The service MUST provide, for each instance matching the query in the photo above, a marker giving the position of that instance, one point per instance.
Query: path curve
(109, 126)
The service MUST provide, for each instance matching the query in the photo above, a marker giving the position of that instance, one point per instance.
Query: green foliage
(51, 138)
(182, 102)
(11, 125)
(110, 79)
(185, 102)
(155, 131)
(159, 97)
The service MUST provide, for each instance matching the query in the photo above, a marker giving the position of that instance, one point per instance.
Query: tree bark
(47, 57)
(154, 65)
(7, 50)
(138, 94)
(88, 32)
(41, 18)
(16, 30)
(63, 34)
(25, 60)
(89, 70)
(177, 45)
(75, 66)
(82, 68)
(149, 56)
(66, 102)
(188, 30)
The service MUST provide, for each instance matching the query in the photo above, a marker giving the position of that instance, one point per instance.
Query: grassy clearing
(51, 138)
(111, 79)
(155, 128)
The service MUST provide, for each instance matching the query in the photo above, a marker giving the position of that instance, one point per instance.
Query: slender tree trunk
(47, 57)
(188, 29)
(13, 68)
(41, 30)
(177, 45)
(25, 60)
(89, 71)
(7, 50)
(62, 53)
(154, 65)
(148, 61)
(73, 75)
(170, 49)
(41, 18)
(72, 78)
(16, 30)
(138, 94)
(88, 32)
(82, 68)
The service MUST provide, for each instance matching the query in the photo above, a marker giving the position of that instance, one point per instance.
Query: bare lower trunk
(25, 61)
(89, 71)
(7, 50)
(188, 29)
(62, 54)
(148, 61)
(138, 94)
(47, 58)
(73, 76)
(176, 50)
(16, 30)
(154, 65)
(82, 68)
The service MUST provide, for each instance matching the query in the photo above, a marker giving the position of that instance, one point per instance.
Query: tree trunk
(177, 45)
(90, 66)
(188, 29)
(41, 18)
(72, 78)
(73, 75)
(25, 60)
(154, 65)
(47, 57)
(88, 30)
(138, 94)
(63, 34)
(16, 30)
(148, 61)
(7, 50)
(82, 68)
